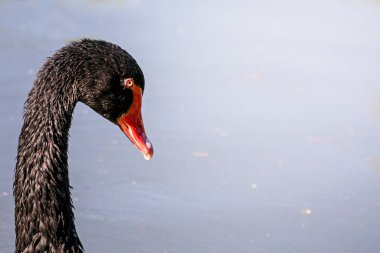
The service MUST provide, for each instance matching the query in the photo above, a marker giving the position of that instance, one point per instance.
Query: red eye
(128, 82)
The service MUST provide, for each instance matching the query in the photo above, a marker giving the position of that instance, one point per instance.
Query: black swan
(102, 76)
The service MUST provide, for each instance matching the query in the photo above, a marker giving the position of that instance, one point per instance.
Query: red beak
(131, 123)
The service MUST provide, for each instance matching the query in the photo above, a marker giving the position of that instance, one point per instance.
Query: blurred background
(264, 115)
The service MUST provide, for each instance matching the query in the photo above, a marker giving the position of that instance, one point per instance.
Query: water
(264, 115)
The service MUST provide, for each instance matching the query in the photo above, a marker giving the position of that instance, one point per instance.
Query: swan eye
(129, 82)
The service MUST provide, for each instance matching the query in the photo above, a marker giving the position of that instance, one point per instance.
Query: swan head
(113, 85)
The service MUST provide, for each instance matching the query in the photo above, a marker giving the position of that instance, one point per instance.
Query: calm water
(265, 117)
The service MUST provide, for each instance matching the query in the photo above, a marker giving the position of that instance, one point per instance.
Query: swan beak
(131, 123)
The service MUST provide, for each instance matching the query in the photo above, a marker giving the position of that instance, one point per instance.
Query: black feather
(89, 71)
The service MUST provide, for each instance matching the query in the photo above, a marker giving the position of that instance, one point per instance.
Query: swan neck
(43, 212)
